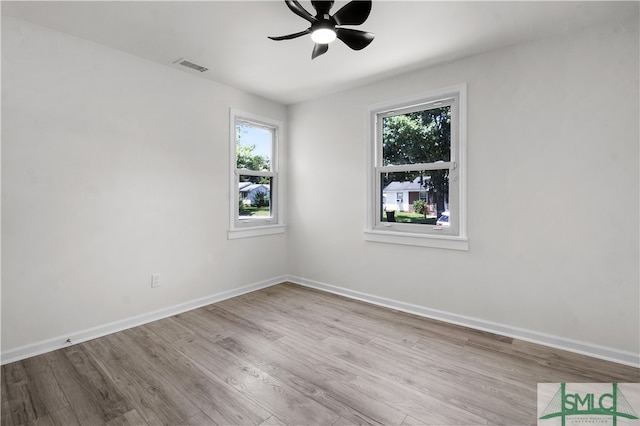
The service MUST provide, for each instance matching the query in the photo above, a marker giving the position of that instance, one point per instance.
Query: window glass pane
(417, 137)
(253, 147)
(254, 198)
(414, 197)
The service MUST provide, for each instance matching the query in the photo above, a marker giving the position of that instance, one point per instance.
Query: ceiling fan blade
(300, 11)
(319, 49)
(353, 13)
(355, 39)
(290, 36)
(322, 7)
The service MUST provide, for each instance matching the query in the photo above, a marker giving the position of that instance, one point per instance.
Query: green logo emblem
(613, 404)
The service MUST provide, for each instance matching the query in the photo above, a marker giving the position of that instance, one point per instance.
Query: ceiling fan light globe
(323, 36)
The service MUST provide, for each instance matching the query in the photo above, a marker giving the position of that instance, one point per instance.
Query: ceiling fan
(325, 28)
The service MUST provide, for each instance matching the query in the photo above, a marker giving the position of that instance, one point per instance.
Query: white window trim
(406, 235)
(256, 227)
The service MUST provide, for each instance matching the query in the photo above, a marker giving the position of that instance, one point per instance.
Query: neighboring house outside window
(256, 186)
(416, 186)
(254, 194)
(407, 193)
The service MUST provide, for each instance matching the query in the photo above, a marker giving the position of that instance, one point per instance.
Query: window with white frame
(416, 182)
(256, 187)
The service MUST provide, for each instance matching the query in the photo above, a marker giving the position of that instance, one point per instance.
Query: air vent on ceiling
(190, 64)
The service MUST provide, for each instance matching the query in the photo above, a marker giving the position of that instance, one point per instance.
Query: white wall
(552, 191)
(113, 168)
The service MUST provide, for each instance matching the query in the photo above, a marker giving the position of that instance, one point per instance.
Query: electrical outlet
(155, 280)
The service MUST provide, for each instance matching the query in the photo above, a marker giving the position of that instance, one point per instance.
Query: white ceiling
(230, 37)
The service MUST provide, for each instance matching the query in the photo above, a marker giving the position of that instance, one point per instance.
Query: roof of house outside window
(403, 186)
(248, 186)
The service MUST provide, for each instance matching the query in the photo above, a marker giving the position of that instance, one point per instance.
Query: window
(416, 181)
(256, 187)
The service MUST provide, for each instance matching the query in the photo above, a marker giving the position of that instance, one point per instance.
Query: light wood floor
(296, 356)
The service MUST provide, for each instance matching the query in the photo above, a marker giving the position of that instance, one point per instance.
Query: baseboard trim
(571, 345)
(76, 337)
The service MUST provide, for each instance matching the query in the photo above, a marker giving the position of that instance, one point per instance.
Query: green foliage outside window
(261, 199)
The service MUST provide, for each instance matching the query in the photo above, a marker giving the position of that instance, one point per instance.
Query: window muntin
(419, 149)
(255, 183)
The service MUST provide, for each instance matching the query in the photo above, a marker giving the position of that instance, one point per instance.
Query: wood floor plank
(329, 381)
(237, 322)
(201, 419)
(4, 394)
(280, 399)
(478, 391)
(414, 383)
(5, 414)
(410, 421)
(42, 378)
(272, 421)
(333, 310)
(43, 421)
(279, 319)
(93, 397)
(22, 398)
(64, 417)
(343, 422)
(323, 323)
(206, 324)
(462, 417)
(218, 401)
(314, 377)
(420, 326)
(172, 331)
(154, 398)
(130, 418)
(291, 355)
(404, 389)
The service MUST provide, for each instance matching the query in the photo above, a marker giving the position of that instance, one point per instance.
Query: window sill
(421, 240)
(255, 231)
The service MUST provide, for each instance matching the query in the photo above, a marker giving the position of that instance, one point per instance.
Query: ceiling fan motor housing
(324, 27)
